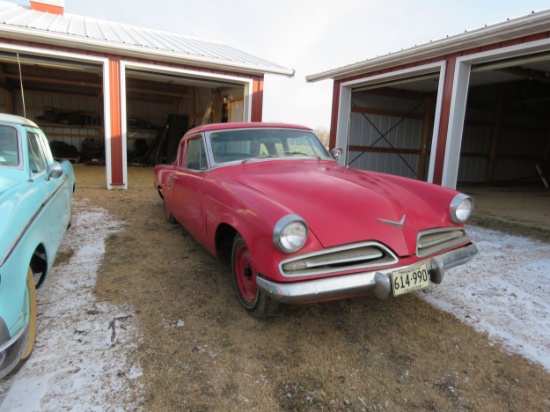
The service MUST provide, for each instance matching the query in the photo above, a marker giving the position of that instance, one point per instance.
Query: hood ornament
(391, 222)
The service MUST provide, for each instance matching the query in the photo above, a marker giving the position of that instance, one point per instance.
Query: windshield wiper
(302, 154)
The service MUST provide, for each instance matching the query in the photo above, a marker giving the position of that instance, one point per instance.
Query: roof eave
(25, 34)
(500, 32)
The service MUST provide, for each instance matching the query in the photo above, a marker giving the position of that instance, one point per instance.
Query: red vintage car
(299, 228)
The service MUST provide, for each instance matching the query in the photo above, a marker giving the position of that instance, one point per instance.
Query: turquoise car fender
(35, 208)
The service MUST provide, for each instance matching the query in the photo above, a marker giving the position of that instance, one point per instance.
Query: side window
(46, 148)
(37, 158)
(196, 155)
(9, 153)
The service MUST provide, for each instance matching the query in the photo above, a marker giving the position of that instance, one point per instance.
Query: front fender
(253, 215)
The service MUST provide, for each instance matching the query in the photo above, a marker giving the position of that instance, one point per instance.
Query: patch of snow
(503, 291)
(79, 361)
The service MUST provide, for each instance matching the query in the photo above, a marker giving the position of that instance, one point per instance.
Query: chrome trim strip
(391, 259)
(450, 260)
(267, 159)
(337, 287)
(463, 238)
(281, 224)
(320, 262)
(31, 221)
(399, 224)
(454, 206)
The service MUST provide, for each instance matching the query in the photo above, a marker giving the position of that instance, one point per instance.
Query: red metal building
(93, 82)
(468, 108)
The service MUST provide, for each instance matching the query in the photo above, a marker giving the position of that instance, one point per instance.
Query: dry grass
(200, 352)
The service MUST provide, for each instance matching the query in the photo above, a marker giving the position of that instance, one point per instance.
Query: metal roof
(533, 23)
(23, 23)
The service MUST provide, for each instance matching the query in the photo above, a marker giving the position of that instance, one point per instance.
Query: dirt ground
(200, 352)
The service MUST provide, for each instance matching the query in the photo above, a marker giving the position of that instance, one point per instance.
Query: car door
(188, 184)
(53, 191)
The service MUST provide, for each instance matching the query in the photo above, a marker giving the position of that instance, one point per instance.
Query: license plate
(410, 279)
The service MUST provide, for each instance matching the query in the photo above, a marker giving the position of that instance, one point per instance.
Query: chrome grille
(435, 240)
(344, 258)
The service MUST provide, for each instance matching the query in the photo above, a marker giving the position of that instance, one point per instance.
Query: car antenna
(22, 91)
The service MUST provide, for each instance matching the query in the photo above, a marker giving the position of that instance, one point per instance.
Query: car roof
(16, 119)
(244, 125)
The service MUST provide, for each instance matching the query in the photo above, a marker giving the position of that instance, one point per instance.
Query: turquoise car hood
(10, 177)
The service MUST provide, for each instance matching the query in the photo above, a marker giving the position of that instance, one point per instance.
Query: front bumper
(375, 282)
(10, 351)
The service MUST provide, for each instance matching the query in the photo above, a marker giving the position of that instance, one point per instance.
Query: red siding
(48, 8)
(257, 99)
(447, 91)
(114, 93)
(117, 176)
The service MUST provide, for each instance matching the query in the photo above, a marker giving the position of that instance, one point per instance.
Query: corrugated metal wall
(502, 141)
(505, 134)
(145, 117)
(77, 117)
(382, 130)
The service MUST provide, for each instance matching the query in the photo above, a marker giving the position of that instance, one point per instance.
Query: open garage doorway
(506, 136)
(63, 95)
(162, 103)
(392, 119)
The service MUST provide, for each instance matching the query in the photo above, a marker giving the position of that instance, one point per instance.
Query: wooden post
(427, 122)
(495, 136)
(547, 149)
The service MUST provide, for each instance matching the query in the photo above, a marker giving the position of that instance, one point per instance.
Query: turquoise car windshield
(9, 154)
(232, 145)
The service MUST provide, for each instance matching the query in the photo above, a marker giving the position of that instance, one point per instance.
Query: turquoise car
(35, 210)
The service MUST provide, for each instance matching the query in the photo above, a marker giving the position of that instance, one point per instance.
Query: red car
(299, 228)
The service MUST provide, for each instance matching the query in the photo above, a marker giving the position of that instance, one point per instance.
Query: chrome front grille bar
(356, 256)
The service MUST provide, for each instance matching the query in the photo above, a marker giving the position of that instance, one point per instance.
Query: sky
(308, 36)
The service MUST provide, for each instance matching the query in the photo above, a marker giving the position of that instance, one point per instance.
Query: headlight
(290, 233)
(461, 208)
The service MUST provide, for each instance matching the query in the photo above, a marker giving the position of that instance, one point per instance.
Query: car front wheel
(244, 280)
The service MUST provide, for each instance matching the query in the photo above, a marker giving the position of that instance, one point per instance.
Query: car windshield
(9, 155)
(235, 145)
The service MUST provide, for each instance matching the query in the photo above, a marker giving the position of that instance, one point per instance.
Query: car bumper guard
(374, 282)
(10, 351)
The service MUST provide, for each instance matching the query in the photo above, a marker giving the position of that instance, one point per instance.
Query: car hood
(342, 205)
(10, 177)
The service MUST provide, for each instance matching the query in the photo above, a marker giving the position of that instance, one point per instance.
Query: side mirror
(55, 171)
(337, 153)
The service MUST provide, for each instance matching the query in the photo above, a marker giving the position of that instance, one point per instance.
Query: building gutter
(123, 49)
(534, 23)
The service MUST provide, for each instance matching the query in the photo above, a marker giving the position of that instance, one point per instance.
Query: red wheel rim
(245, 273)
